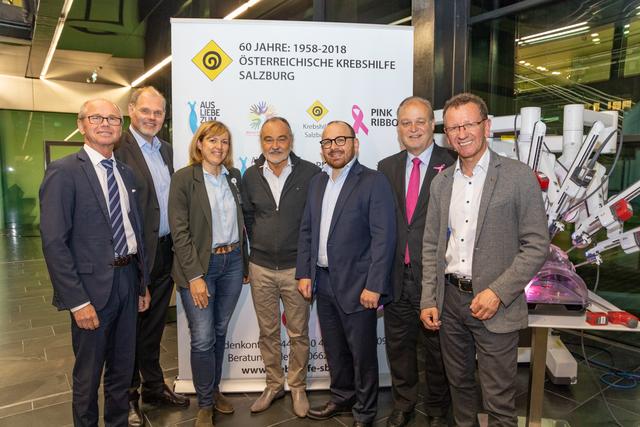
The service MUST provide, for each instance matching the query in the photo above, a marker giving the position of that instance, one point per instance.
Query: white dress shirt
(329, 201)
(96, 158)
(276, 182)
(425, 158)
(224, 229)
(463, 217)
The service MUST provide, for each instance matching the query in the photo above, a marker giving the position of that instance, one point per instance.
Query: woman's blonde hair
(206, 130)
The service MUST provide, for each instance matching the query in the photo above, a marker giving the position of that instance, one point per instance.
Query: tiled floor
(36, 362)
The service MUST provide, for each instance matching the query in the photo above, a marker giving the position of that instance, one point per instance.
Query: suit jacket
(129, 152)
(75, 228)
(190, 222)
(511, 243)
(362, 236)
(394, 168)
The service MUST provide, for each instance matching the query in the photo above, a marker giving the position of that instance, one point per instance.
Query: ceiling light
(627, 25)
(567, 33)
(167, 60)
(580, 24)
(521, 62)
(625, 32)
(594, 34)
(152, 71)
(556, 73)
(401, 21)
(66, 7)
(527, 64)
(71, 134)
(596, 39)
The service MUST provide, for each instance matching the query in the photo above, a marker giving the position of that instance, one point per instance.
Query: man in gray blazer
(485, 238)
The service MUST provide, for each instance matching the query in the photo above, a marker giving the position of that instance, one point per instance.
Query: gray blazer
(511, 241)
(190, 222)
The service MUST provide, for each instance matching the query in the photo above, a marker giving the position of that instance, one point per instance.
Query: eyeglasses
(338, 140)
(97, 119)
(420, 123)
(454, 130)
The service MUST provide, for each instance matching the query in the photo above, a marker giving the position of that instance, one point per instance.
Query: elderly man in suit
(410, 172)
(485, 238)
(345, 251)
(151, 160)
(92, 242)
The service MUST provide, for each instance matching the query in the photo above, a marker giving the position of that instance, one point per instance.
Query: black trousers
(465, 337)
(110, 347)
(350, 346)
(402, 329)
(151, 323)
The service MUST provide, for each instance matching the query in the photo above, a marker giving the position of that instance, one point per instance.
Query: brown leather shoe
(266, 399)
(205, 417)
(166, 397)
(299, 402)
(223, 405)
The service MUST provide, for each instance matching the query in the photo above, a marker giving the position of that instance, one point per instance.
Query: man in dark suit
(92, 243)
(486, 236)
(410, 173)
(151, 160)
(345, 251)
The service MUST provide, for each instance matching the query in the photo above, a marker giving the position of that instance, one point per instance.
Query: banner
(244, 72)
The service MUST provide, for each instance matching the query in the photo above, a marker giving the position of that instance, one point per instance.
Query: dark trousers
(151, 323)
(111, 346)
(350, 346)
(462, 338)
(403, 328)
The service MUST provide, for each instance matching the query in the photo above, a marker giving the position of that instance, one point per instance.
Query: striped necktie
(115, 211)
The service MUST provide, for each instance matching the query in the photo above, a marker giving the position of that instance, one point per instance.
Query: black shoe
(327, 411)
(437, 421)
(165, 398)
(399, 418)
(361, 424)
(136, 417)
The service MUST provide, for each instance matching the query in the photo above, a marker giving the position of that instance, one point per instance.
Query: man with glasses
(410, 172)
(92, 242)
(345, 251)
(485, 238)
(274, 191)
(151, 160)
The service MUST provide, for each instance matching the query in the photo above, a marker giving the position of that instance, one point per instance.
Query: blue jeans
(208, 326)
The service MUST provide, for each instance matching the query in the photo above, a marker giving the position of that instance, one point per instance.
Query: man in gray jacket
(485, 238)
(274, 194)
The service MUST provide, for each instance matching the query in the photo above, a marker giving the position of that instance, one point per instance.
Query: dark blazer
(511, 243)
(362, 236)
(190, 222)
(129, 152)
(394, 168)
(75, 228)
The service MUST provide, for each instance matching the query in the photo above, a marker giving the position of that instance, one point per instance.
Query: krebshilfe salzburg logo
(212, 60)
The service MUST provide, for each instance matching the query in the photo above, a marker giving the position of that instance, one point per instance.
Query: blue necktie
(115, 211)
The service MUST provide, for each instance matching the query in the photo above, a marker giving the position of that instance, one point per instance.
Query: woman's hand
(199, 293)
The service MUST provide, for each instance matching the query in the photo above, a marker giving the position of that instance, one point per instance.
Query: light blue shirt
(329, 201)
(224, 227)
(425, 158)
(159, 174)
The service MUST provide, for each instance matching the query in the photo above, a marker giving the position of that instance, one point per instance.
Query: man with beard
(345, 252)
(274, 191)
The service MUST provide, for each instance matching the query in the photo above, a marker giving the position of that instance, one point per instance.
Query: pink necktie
(412, 198)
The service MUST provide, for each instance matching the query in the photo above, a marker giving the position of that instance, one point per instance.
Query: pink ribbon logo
(358, 124)
(440, 168)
